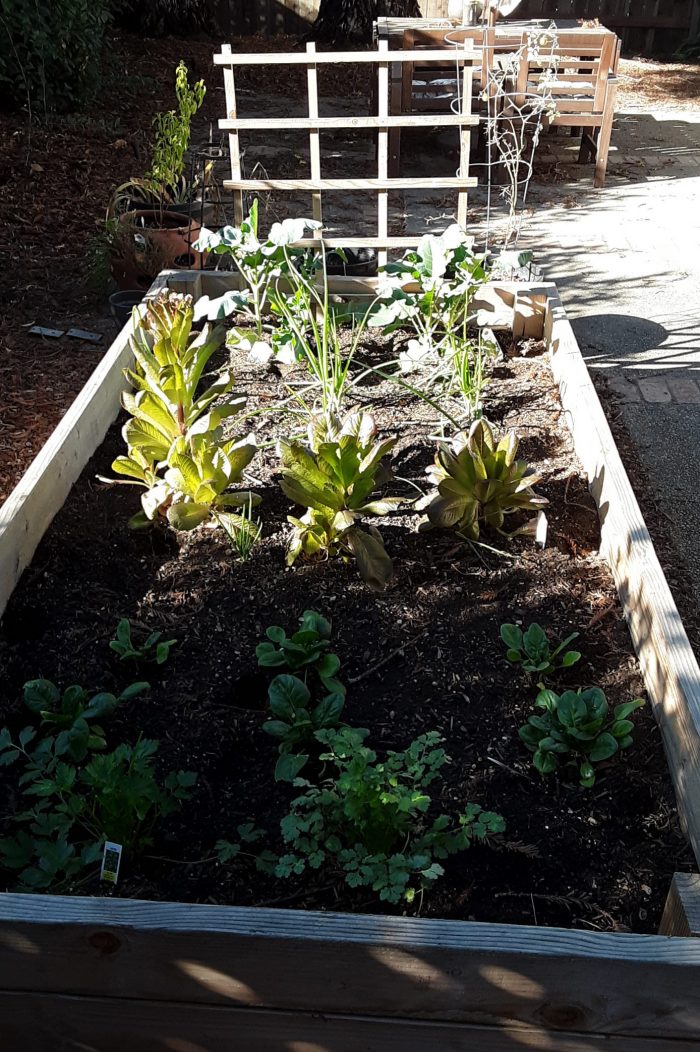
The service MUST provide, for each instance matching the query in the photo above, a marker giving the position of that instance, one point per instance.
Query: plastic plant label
(541, 529)
(111, 857)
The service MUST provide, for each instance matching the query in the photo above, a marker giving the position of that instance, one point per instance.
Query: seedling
(532, 651)
(153, 649)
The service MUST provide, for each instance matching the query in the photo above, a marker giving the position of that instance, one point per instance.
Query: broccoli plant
(532, 651)
(577, 728)
(430, 289)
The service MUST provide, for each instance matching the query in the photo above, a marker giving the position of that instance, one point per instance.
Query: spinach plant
(70, 716)
(532, 651)
(296, 721)
(175, 445)
(577, 727)
(431, 288)
(479, 482)
(370, 818)
(307, 650)
(153, 649)
(335, 479)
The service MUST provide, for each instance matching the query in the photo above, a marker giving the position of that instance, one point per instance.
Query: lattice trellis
(381, 122)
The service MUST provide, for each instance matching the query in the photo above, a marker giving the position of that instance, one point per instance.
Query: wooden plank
(605, 134)
(383, 152)
(682, 913)
(38, 496)
(464, 145)
(398, 120)
(329, 58)
(233, 139)
(402, 183)
(670, 669)
(639, 986)
(32, 1023)
(314, 138)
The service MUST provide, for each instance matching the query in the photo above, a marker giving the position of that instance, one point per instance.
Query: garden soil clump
(423, 655)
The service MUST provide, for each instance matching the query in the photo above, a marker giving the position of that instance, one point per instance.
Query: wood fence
(643, 24)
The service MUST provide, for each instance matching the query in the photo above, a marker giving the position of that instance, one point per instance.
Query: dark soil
(424, 655)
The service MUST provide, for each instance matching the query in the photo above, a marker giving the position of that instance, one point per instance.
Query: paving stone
(683, 388)
(625, 389)
(655, 389)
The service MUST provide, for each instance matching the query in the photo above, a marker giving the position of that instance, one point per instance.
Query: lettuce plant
(577, 728)
(479, 482)
(335, 479)
(175, 445)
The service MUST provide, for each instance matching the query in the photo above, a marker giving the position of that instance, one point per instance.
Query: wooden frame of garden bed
(105, 973)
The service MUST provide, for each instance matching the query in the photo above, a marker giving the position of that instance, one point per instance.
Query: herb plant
(175, 444)
(577, 728)
(531, 649)
(306, 650)
(153, 649)
(336, 479)
(370, 819)
(112, 796)
(173, 131)
(479, 482)
(296, 721)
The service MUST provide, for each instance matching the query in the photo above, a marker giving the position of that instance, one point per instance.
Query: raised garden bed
(423, 655)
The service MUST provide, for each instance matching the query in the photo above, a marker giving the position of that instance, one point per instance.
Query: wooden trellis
(381, 122)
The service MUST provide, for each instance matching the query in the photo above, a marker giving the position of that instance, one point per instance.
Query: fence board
(242, 17)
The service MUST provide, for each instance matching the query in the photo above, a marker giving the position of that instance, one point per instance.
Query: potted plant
(150, 216)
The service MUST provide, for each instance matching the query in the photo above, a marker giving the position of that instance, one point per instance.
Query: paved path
(627, 262)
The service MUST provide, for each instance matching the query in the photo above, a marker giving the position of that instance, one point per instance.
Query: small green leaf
(288, 766)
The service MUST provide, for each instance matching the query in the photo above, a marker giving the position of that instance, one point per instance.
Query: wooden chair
(431, 87)
(578, 73)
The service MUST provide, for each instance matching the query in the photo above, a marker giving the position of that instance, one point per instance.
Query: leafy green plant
(175, 445)
(307, 650)
(116, 796)
(173, 131)
(70, 715)
(154, 647)
(577, 727)
(296, 721)
(431, 288)
(479, 482)
(261, 264)
(370, 819)
(531, 649)
(336, 479)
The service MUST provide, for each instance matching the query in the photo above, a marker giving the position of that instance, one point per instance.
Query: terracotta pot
(149, 241)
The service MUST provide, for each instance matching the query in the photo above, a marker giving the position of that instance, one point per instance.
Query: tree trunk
(339, 20)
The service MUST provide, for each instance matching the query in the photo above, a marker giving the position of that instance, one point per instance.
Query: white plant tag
(111, 857)
(541, 529)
